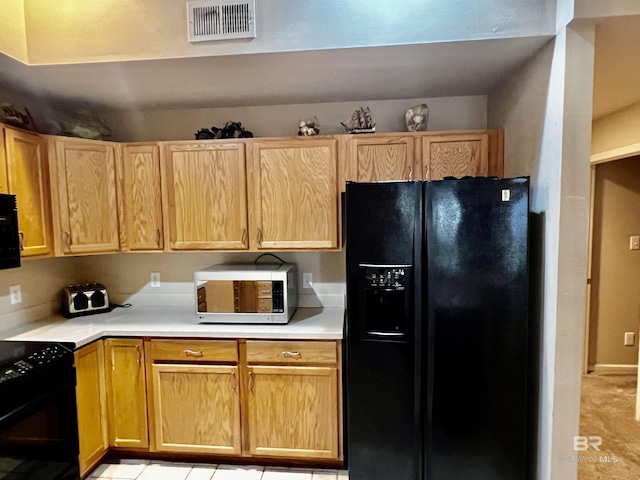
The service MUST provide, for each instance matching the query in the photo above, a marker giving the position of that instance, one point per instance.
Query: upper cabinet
(293, 193)
(24, 173)
(83, 178)
(140, 190)
(459, 154)
(205, 193)
(380, 158)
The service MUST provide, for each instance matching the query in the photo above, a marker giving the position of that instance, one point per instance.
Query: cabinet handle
(426, 174)
(157, 236)
(113, 360)
(410, 173)
(290, 354)
(234, 380)
(67, 239)
(251, 381)
(138, 354)
(259, 236)
(21, 236)
(193, 353)
(244, 236)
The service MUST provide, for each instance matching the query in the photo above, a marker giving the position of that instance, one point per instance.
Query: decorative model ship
(360, 122)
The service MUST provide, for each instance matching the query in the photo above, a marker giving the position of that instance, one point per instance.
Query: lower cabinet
(126, 393)
(195, 395)
(91, 403)
(236, 398)
(293, 400)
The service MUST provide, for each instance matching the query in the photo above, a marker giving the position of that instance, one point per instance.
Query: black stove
(38, 416)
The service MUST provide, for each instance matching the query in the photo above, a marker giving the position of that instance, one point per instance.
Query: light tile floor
(131, 469)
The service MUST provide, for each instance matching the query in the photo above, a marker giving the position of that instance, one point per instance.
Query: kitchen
(512, 106)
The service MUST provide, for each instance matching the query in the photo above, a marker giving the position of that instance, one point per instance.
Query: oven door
(39, 437)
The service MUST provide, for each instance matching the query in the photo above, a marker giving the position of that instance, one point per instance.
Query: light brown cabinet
(126, 393)
(83, 180)
(141, 221)
(196, 405)
(293, 402)
(459, 154)
(293, 194)
(91, 405)
(24, 173)
(205, 192)
(381, 158)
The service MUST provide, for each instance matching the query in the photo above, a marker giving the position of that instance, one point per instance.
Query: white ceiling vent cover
(221, 20)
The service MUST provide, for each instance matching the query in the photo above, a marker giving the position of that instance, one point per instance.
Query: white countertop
(306, 324)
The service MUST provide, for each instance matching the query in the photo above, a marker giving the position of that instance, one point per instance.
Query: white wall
(545, 109)
(126, 276)
(41, 283)
(445, 113)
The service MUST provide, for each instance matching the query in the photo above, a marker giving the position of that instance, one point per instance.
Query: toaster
(85, 299)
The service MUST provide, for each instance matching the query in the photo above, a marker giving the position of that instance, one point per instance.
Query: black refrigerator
(436, 331)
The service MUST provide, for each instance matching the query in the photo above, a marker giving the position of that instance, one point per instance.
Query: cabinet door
(142, 197)
(196, 408)
(381, 158)
(206, 196)
(85, 181)
(455, 155)
(28, 179)
(293, 411)
(127, 396)
(293, 191)
(90, 398)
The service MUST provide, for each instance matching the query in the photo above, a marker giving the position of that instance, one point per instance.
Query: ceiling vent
(221, 20)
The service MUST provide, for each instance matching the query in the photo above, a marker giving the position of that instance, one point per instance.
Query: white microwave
(246, 293)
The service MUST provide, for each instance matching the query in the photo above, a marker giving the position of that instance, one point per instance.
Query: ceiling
(371, 73)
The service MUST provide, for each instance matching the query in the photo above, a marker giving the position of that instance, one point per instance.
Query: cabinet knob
(244, 236)
(250, 381)
(259, 236)
(138, 356)
(410, 177)
(157, 236)
(234, 380)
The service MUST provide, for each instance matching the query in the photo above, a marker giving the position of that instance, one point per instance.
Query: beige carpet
(608, 411)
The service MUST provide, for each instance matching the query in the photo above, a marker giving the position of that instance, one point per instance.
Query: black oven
(38, 417)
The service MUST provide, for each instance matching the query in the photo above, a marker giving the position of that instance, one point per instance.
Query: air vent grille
(221, 20)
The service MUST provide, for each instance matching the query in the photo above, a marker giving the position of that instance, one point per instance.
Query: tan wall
(618, 130)
(615, 294)
(13, 36)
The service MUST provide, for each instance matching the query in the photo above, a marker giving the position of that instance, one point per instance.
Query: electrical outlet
(15, 292)
(634, 242)
(307, 280)
(155, 279)
(629, 339)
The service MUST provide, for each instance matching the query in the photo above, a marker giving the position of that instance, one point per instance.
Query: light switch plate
(629, 339)
(155, 279)
(634, 242)
(307, 280)
(15, 292)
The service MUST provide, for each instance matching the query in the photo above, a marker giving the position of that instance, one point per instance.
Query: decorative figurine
(360, 122)
(230, 130)
(416, 118)
(309, 126)
(86, 124)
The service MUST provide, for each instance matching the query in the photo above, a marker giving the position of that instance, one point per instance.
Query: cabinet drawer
(291, 352)
(194, 350)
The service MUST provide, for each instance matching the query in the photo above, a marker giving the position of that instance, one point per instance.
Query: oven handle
(23, 411)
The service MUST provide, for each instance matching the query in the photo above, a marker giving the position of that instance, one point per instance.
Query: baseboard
(613, 368)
